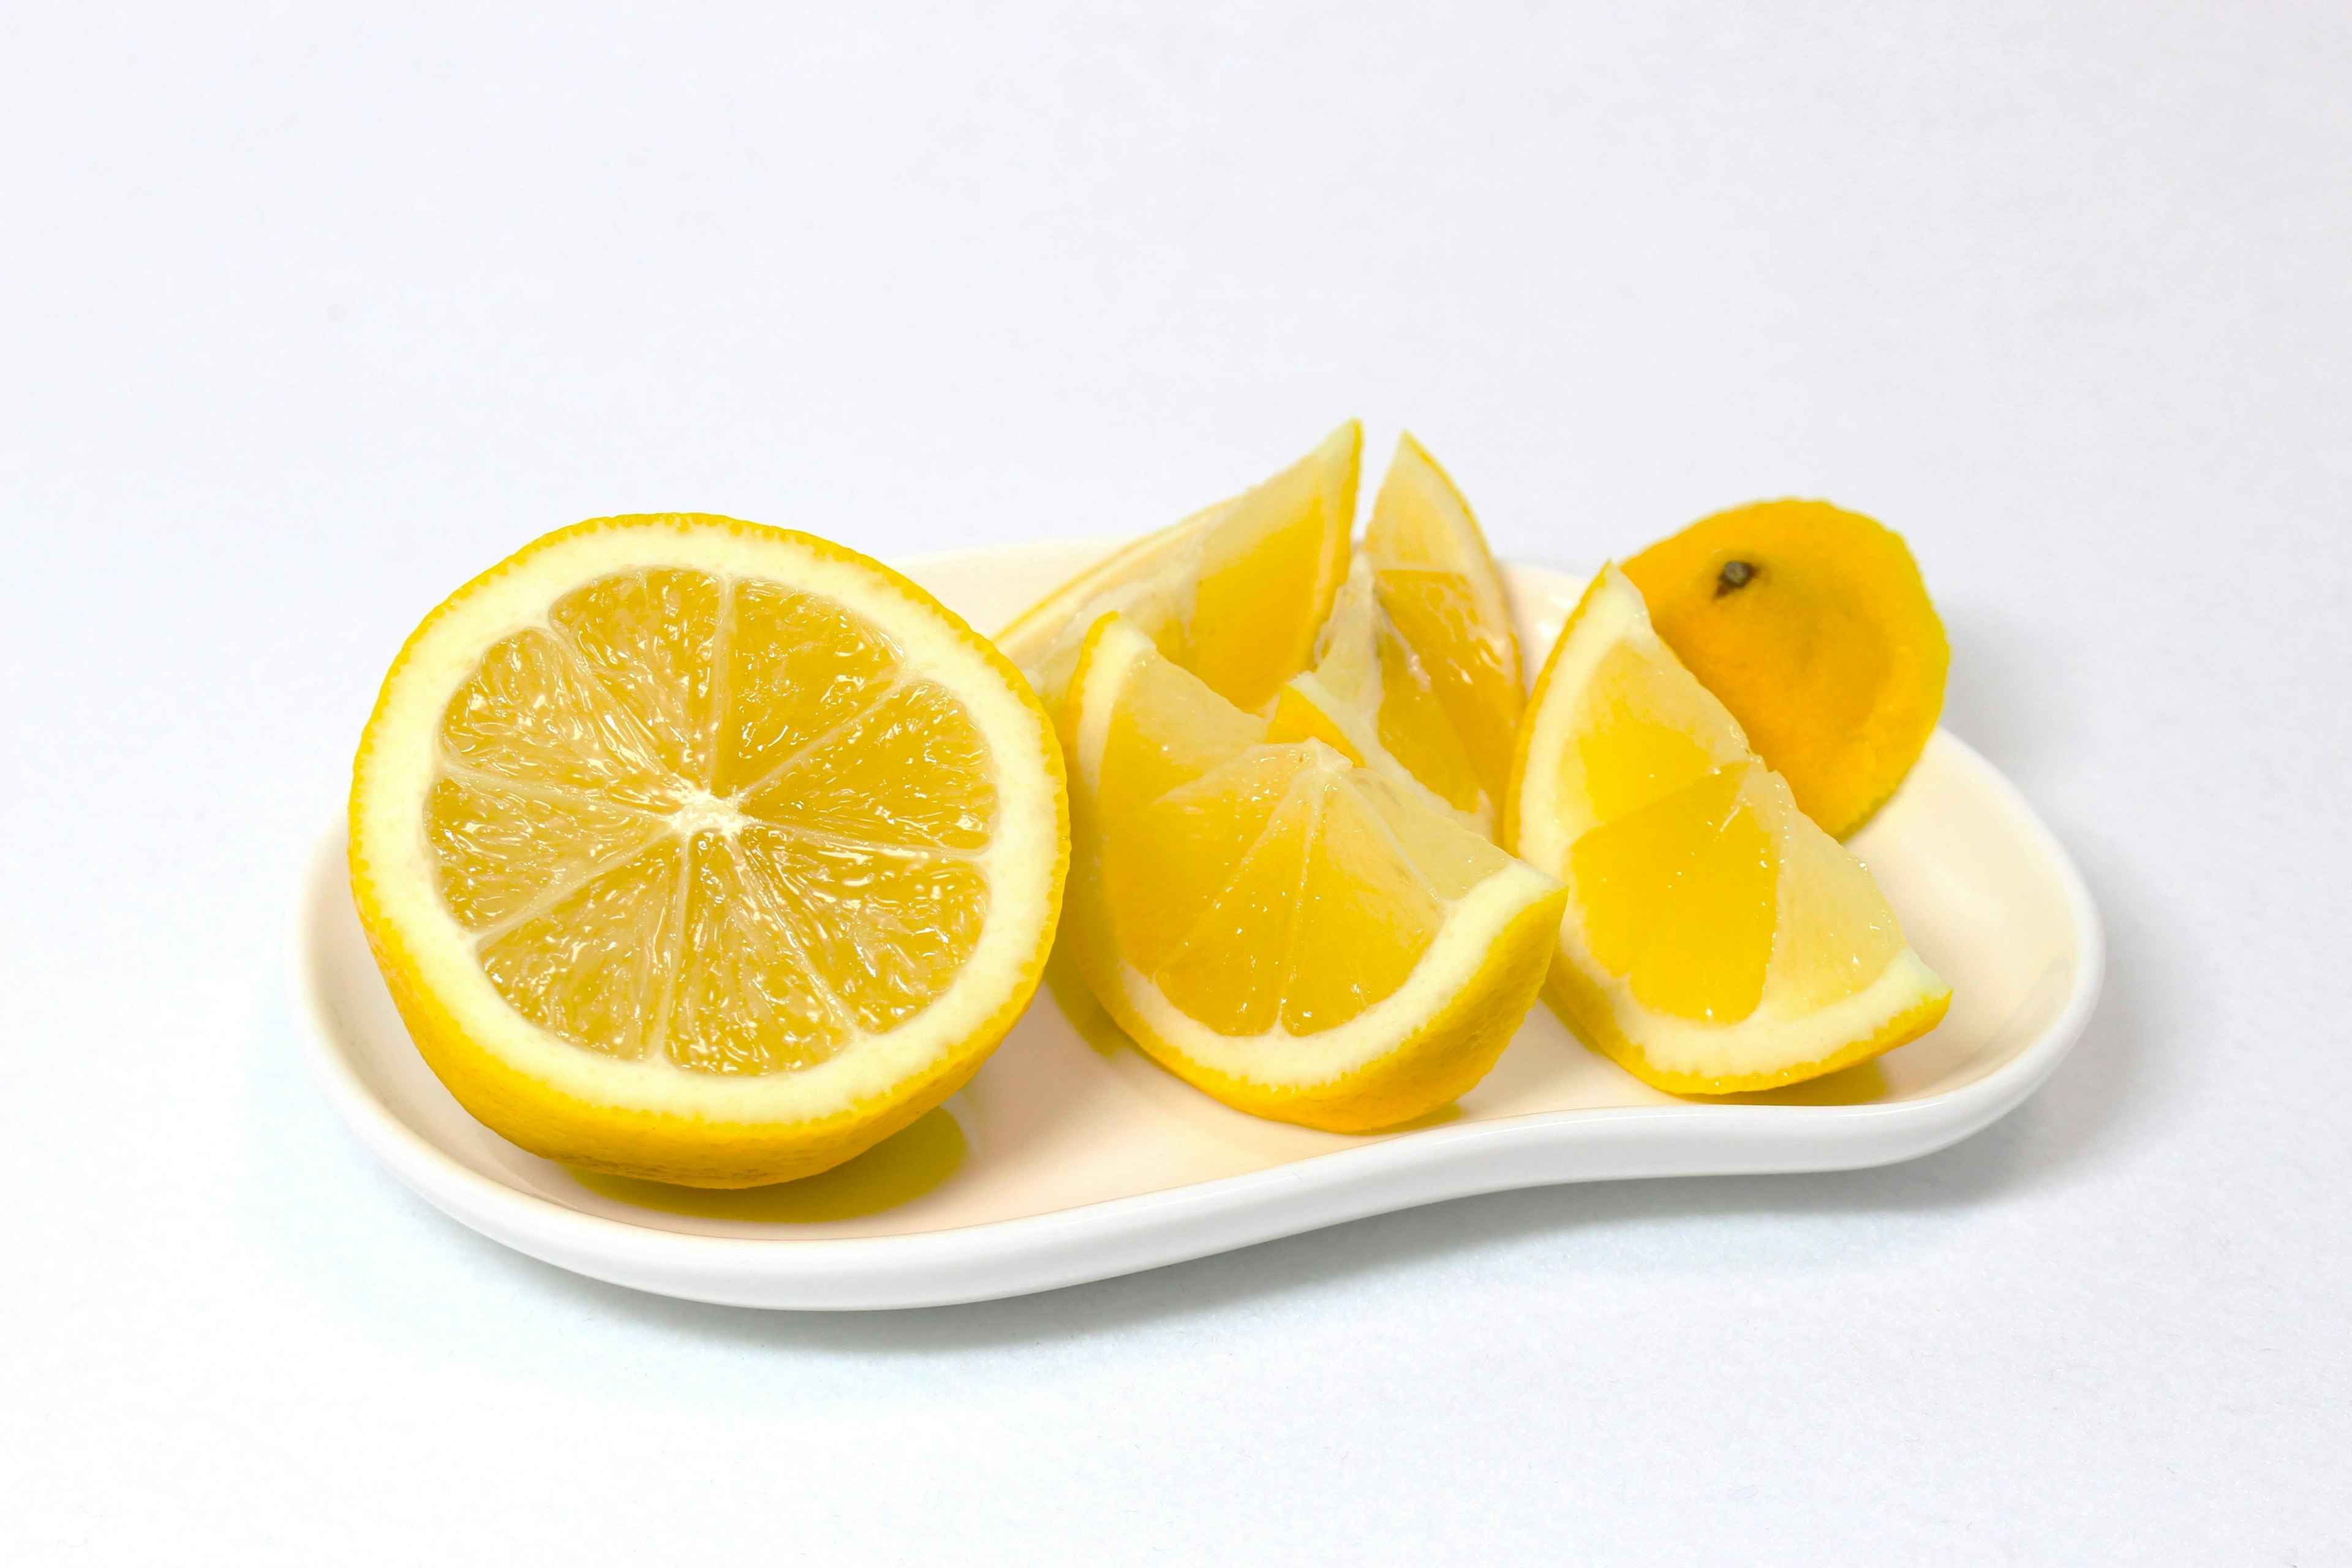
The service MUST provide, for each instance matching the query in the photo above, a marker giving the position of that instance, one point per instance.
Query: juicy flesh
(711, 822)
(1264, 580)
(1453, 700)
(1238, 599)
(1265, 886)
(1368, 671)
(1453, 705)
(1698, 881)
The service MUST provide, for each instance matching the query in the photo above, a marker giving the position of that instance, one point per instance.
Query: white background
(307, 314)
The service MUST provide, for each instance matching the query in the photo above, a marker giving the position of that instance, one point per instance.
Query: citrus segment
(1439, 588)
(1301, 937)
(1369, 697)
(704, 852)
(623, 920)
(1813, 626)
(649, 637)
(1418, 667)
(1714, 939)
(1234, 593)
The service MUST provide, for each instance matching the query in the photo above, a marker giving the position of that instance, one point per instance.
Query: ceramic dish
(1071, 1157)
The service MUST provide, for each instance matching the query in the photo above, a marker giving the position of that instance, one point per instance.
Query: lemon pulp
(1440, 590)
(1234, 593)
(710, 821)
(1417, 669)
(704, 852)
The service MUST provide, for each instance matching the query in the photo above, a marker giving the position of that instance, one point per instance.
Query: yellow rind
(1435, 1065)
(691, 1150)
(1855, 572)
(1578, 1003)
(655, 1146)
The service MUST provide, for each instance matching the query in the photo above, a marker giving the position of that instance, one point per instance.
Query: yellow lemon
(1715, 940)
(1234, 592)
(1418, 667)
(1812, 625)
(704, 852)
(1294, 934)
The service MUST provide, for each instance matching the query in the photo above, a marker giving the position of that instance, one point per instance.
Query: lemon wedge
(1369, 699)
(704, 852)
(1235, 592)
(1716, 941)
(1294, 934)
(1418, 668)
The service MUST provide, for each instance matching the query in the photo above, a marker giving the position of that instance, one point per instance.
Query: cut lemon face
(704, 852)
(1440, 589)
(1294, 934)
(1419, 666)
(1812, 625)
(1370, 699)
(1234, 592)
(1716, 941)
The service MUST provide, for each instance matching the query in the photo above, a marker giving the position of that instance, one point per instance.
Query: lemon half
(704, 852)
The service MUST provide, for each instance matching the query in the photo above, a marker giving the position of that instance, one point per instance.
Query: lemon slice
(1715, 940)
(1234, 592)
(1419, 666)
(704, 852)
(1294, 934)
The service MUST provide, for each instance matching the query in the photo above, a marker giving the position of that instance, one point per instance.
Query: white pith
(1772, 1038)
(389, 846)
(1462, 947)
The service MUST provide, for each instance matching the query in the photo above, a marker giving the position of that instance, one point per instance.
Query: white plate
(1065, 1161)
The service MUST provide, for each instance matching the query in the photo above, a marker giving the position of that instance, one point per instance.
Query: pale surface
(304, 319)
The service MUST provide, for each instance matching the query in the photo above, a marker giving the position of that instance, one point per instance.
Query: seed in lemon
(1234, 592)
(1813, 626)
(704, 852)
(1295, 935)
(1715, 940)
